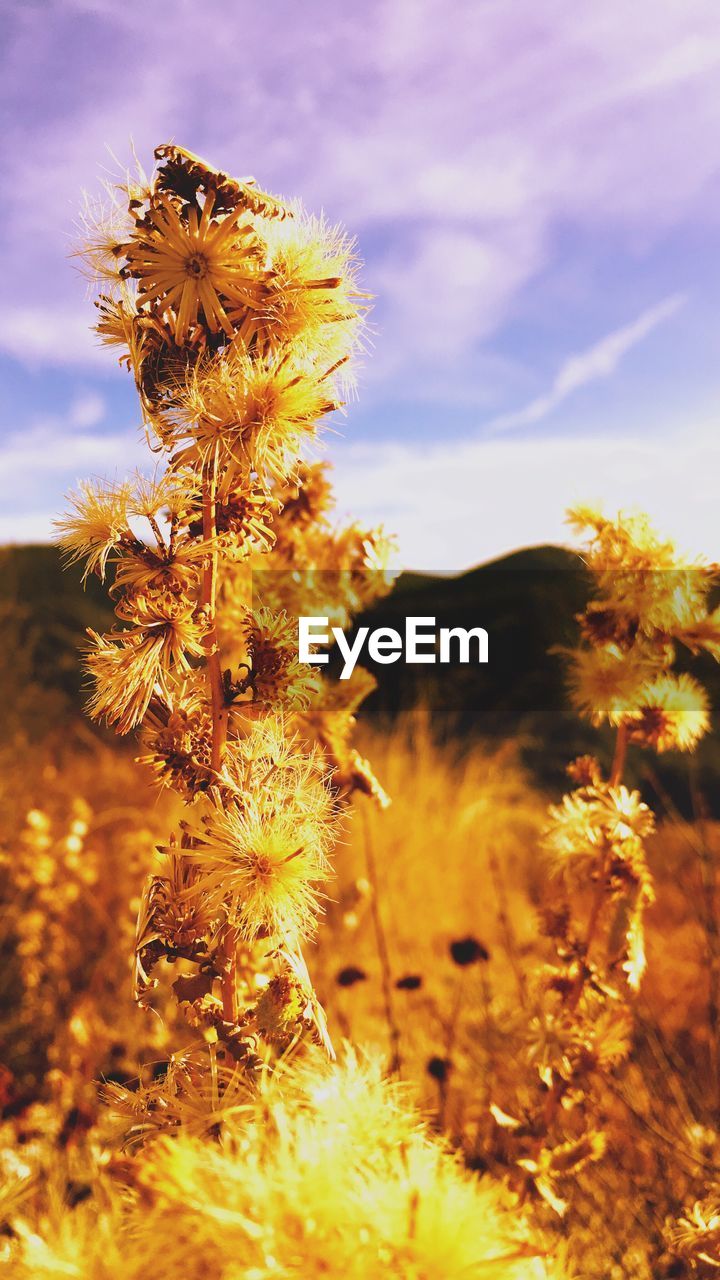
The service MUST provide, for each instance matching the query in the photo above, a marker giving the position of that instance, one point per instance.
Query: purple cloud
(454, 139)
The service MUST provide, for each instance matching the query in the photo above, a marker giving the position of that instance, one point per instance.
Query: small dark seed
(410, 982)
(348, 977)
(439, 1068)
(76, 1192)
(465, 951)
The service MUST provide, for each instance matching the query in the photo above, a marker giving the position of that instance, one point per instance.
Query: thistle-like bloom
(598, 817)
(264, 858)
(237, 319)
(126, 675)
(130, 668)
(171, 619)
(313, 295)
(197, 265)
(275, 673)
(645, 580)
(96, 525)
(609, 684)
(696, 1236)
(255, 412)
(672, 715)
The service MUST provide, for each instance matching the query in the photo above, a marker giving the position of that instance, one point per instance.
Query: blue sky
(534, 188)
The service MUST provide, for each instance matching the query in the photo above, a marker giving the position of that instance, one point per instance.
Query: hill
(527, 602)
(44, 613)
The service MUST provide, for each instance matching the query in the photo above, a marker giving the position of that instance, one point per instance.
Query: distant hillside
(526, 601)
(44, 613)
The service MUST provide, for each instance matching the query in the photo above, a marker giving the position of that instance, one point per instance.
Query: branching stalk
(209, 591)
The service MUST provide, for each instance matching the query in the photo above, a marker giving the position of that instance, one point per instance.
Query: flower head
(672, 714)
(194, 264)
(264, 856)
(96, 525)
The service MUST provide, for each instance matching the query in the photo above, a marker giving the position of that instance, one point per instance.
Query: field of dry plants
(287, 995)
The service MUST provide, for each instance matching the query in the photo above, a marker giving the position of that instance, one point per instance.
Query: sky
(534, 187)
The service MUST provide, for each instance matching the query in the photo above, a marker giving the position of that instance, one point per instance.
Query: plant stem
(553, 1099)
(227, 951)
(227, 946)
(450, 1038)
(209, 589)
(383, 953)
(710, 929)
(503, 917)
(618, 764)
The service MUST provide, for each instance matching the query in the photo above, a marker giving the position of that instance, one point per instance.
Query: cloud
(41, 463)
(454, 140)
(52, 335)
(595, 362)
(473, 148)
(87, 410)
(445, 290)
(452, 505)
(457, 504)
(50, 450)
(28, 526)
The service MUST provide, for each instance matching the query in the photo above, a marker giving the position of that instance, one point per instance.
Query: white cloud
(464, 135)
(595, 362)
(41, 464)
(447, 289)
(462, 502)
(87, 410)
(452, 505)
(29, 526)
(52, 334)
(42, 450)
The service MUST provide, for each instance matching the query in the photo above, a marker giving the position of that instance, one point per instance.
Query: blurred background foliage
(431, 934)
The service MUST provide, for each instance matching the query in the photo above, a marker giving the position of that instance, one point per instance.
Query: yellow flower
(647, 582)
(596, 818)
(697, 1236)
(195, 264)
(96, 525)
(607, 683)
(673, 714)
(275, 672)
(263, 858)
(256, 412)
(314, 300)
(149, 570)
(169, 619)
(125, 676)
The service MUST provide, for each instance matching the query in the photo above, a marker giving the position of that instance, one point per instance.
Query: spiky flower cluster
(328, 1175)
(238, 316)
(648, 601)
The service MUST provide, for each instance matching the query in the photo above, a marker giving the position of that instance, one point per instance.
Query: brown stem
(227, 953)
(383, 953)
(592, 924)
(162, 545)
(208, 593)
(450, 1040)
(618, 764)
(553, 1099)
(710, 929)
(227, 948)
(503, 917)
